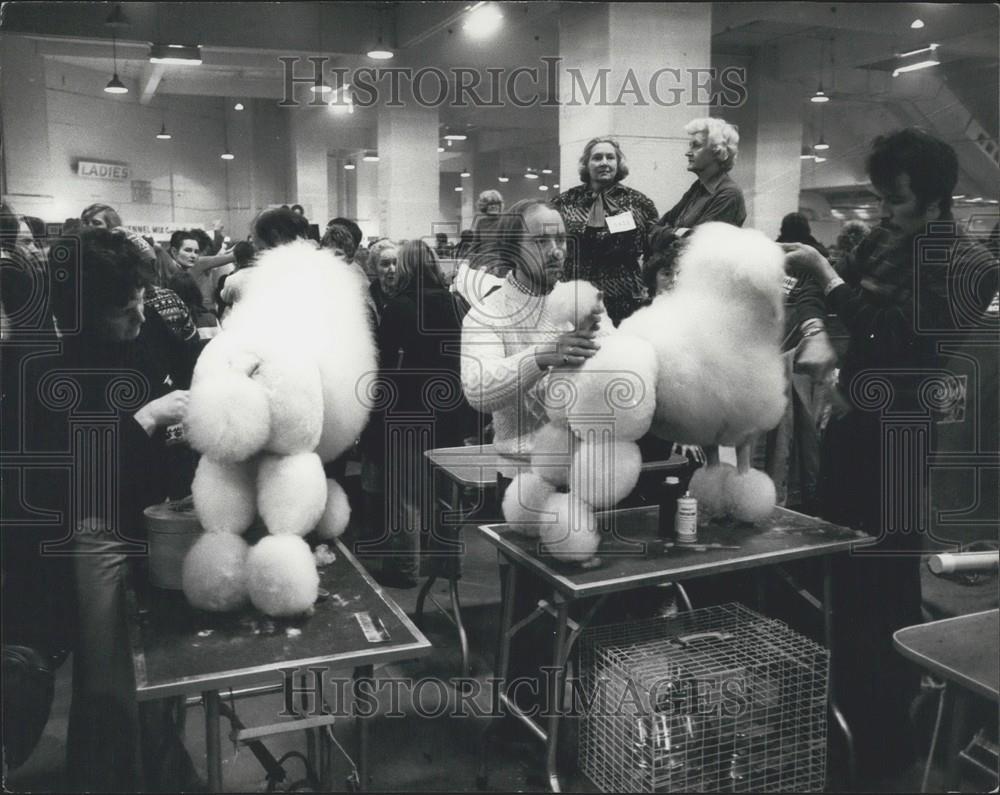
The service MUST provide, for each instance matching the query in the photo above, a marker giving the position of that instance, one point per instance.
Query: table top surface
(177, 649)
(964, 649)
(478, 465)
(630, 559)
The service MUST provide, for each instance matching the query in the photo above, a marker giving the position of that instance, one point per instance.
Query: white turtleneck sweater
(499, 373)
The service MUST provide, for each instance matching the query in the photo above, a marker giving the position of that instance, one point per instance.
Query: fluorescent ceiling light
(455, 137)
(914, 67)
(928, 48)
(483, 21)
(370, 158)
(179, 54)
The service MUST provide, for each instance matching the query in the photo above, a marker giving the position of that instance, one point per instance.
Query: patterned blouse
(611, 261)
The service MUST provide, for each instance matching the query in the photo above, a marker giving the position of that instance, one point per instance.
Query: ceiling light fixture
(923, 63)
(806, 154)
(115, 86)
(819, 159)
(176, 54)
(458, 189)
(543, 187)
(455, 137)
(239, 106)
(529, 175)
(380, 52)
(503, 178)
(917, 24)
(349, 166)
(482, 21)
(370, 157)
(227, 155)
(821, 145)
(163, 135)
(546, 170)
(440, 149)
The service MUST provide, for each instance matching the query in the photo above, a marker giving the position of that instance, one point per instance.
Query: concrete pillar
(616, 52)
(27, 179)
(366, 177)
(309, 162)
(408, 170)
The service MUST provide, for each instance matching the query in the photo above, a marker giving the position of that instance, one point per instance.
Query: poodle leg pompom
(228, 418)
(523, 501)
(214, 572)
(573, 534)
(282, 576)
(224, 496)
(604, 472)
(291, 493)
(709, 487)
(552, 454)
(337, 513)
(751, 496)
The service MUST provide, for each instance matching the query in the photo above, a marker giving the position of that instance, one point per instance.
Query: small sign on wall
(142, 191)
(117, 172)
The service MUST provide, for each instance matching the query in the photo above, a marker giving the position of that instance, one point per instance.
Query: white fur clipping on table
(225, 495)
(291, 492)
(523, 502)
(573, 534)
(281, 576)
(337, 512)
(717, 336)
(214, 572)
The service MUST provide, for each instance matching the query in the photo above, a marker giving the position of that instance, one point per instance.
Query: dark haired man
(913, 281)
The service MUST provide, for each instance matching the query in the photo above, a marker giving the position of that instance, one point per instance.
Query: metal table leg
(213, 740)
(508, 579)
(560, 652)
(362, 674)
(957, 706)
(463, 638)
(839, 720)
(418, 615)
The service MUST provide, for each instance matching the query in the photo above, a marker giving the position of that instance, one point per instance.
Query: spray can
(686, 524)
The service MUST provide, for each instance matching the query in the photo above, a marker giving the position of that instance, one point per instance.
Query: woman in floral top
(608, 224)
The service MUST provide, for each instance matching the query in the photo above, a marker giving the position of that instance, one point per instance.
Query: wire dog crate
(719, 699)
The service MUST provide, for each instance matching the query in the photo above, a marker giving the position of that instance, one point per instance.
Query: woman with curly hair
(607, 224)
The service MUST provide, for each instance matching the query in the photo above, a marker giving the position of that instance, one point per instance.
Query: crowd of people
(121, 321)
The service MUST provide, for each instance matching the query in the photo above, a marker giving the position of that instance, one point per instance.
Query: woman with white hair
(714, 196)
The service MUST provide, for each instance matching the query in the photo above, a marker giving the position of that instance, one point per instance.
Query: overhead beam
(149, 79)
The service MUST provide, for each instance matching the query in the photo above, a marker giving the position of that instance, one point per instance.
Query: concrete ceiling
(845, 45)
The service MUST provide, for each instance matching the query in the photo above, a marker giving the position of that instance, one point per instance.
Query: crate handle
(686, 640)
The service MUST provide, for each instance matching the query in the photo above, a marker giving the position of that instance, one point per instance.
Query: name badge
(789, 284)
(623, 222)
